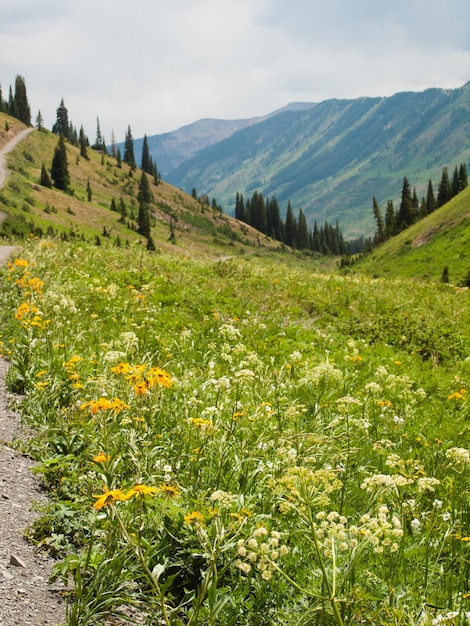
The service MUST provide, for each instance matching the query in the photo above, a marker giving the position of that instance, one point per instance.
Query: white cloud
(158, 65)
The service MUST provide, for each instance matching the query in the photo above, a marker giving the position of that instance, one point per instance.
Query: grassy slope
(423, 250)
(199, 229)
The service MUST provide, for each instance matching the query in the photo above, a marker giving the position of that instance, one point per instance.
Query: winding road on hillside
(26, 599)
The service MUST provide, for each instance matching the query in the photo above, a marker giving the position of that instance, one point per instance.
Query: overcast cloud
(159, 64)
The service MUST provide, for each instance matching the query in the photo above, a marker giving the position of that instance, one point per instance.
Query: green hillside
(423, 250)
(330, 160)
(179, 222)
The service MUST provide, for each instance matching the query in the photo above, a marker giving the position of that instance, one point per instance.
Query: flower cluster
(261, 550)
(382, 532)
(142, 377)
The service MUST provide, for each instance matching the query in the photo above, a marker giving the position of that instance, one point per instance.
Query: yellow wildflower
(141, 388)
(194, 518)
(108, 497)
(141, 490)
(101, 457)
(170, 491)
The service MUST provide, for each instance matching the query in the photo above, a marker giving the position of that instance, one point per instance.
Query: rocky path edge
(26, 597)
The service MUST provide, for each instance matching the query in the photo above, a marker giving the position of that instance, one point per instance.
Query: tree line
(411, 209)
(264, 215)
(17, 104)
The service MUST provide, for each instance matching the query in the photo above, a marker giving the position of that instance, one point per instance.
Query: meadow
(242, 442)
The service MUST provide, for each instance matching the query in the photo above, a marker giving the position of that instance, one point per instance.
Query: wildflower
(101, 457)
(415, 524)
(158, 376)
(103, 404)
(141, 490)
(141, 388)
(108, 497)
(194, 518)
(170, 491)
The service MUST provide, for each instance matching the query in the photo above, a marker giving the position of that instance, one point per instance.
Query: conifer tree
(83, 143)
(11, 109)
(145, 195)
(118, 158)
(273, 219)
(430, 199)
(98, 145)
(390, 220)
(302, 236)
(290, 227)
(39, 121)
(146, 162)
(380, 228)
(21, 101)
(463, 178)
(45, 179)
(61, 126)
(129, 157)
(406, 215)
(59, 169)
(444, 192)
(239, 207)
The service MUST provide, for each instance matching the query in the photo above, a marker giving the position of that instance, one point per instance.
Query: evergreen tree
(406, 215)
(143, 220)
(146, 163)
(59, 169)
(430, 199)
(83, 143)
(39, 121)
(444, 192)
(98, 145)
(89, 191)
(380, 228)
(239, 207)
(445, 274)
(290, 227)
(61, 126)
(316, 241)
(390, 220)
(21, 101)
(302, 236)
(45, 179)
(145, 195)
(258, 212)
(118, 158)
(463, 179)
(113, 144)
(129, 157)
(273, 219)
(12, 110)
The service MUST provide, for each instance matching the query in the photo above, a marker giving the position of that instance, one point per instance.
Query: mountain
(330, 158)
(171, 149)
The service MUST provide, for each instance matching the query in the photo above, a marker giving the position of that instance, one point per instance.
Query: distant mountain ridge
(328, 158)
(173, 148)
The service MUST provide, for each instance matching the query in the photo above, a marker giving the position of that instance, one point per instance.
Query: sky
(157, 65)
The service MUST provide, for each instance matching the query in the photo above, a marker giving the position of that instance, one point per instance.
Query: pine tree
(89, 191)
(390, 220)
(463, 179)
(273, 219)
(444, 192)
(98, 145)
(302, 236)
(406, 215)
(143, 220)
(430, 199)
(129, 157)
(61, 126)
(21, 101)
(11, 109)
(145, 195)
(289, 227)
(59, 169)
(239, 207)
(380, 229)
(83, 143)
(146, 163)
(45, 179)
(39, 121)
(258, 212)
(118, 158)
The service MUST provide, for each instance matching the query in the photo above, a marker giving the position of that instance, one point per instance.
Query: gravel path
(26, 598)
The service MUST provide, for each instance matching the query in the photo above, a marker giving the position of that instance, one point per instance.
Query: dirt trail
(26, 598)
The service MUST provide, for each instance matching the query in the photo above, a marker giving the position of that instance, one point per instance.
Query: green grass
(424, 249)
(243, 441)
